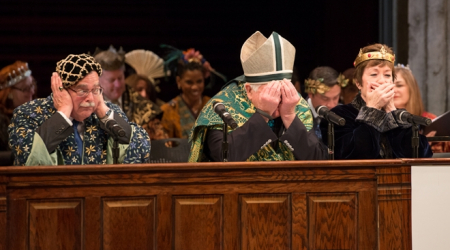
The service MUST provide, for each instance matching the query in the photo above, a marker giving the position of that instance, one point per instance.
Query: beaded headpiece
(73, 68)
(374, 55)
(14, 73)
(313, 86)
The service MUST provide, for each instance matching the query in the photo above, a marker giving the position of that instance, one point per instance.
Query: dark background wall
(323, 32)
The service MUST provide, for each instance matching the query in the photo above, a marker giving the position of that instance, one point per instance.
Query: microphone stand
(415, 140)
(225, 143)
(115, 149)
(330, 141)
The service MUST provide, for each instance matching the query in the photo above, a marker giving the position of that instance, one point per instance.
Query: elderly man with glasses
(69, 126)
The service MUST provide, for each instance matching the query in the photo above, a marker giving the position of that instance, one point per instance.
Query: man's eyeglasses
(26, 89)
(83, 93)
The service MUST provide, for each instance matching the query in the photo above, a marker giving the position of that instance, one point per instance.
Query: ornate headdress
(188, 56)
(73, 68)
(313, 86)
(266, 59)
(146, 63)
(374, 55)
(110, 59)
(14, 73)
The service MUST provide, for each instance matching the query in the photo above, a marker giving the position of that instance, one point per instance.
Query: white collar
(313, 110)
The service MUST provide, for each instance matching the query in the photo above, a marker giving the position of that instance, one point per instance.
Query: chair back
(6, 158)
(170, 150)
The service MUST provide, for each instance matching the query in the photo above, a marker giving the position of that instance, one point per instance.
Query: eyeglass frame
(86, 93)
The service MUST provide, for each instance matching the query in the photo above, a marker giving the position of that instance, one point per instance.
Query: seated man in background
(273, 118)
(323, 88)
(68, 127)
(138, 109)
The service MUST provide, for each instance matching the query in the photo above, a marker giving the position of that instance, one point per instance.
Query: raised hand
(269, 98)
(61, 98)
(289, 100)
(101, 106)
(380, 95)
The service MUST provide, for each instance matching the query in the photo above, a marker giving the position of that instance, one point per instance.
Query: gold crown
(374, 55)
(317, 86)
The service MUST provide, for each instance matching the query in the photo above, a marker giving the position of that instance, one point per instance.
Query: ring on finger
(61, 89)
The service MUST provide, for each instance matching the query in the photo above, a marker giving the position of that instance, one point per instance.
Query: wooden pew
(362, 204)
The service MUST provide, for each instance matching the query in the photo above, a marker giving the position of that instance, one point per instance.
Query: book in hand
(440, 124)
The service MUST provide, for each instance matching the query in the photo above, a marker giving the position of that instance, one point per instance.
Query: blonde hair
(414, 104)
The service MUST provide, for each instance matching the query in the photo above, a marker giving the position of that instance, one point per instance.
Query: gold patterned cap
(73, 68)
(14, 73)
(374, 55)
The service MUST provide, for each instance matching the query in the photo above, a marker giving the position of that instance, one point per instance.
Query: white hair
(255, 87)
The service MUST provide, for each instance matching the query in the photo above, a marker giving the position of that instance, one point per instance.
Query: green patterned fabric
(234, 97)
(187, 119)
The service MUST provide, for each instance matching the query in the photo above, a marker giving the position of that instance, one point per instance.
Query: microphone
(324, 112)
(114, 128)
(405, 116)
(220, 109)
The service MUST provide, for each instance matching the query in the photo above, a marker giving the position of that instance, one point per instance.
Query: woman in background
(407, 96)
(181, 112)
(17, 87)
(147, 67)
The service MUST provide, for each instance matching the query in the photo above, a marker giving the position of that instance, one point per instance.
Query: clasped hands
(63, 101)
(381, 96)
(279, 99)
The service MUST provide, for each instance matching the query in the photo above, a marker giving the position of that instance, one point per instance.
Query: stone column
(429, 51)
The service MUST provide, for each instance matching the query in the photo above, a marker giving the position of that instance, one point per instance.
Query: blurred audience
(407, 96)
(17, 87)
(138, 109)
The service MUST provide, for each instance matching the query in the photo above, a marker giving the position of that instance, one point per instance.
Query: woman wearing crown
(372, 129)
(17, 87)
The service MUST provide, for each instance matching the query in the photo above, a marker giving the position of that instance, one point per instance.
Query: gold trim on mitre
(374, 55)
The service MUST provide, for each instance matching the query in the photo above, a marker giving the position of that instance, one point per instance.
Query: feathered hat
(191, 55)
(146, 63)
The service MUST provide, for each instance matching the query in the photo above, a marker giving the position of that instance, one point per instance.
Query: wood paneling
(198, 222)
(128, 223)
(262, 205)
(55, 224)
(3, 213)
(265, 222)
(394, 207)
(332, 221)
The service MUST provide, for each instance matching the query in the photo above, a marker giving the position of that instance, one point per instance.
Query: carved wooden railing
(258, 205)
